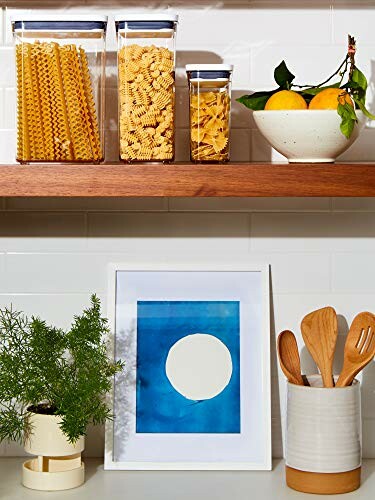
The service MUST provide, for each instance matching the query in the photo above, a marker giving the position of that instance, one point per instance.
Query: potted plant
(52, 385)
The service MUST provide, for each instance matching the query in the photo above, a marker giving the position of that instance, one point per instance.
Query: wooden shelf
(188, 180)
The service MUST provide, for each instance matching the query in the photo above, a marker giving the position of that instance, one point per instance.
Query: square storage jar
(60, 64)
(146, 80)
(210, 103)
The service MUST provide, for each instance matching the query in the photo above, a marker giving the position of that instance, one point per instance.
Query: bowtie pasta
(146, 98)
(209, 126)
(57, 119)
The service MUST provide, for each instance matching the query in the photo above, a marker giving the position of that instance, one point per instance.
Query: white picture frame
(126, 449)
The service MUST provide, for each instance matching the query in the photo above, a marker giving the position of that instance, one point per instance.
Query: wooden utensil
(319, 331)
(289, 360)
(359, 347)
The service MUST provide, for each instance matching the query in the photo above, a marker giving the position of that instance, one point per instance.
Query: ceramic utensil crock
(323, 437)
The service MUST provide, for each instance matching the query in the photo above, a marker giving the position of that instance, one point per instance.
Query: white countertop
(173, 485)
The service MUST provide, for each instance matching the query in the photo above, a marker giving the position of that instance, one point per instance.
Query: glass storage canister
(146, 81)
(210, 100)
(60, 64)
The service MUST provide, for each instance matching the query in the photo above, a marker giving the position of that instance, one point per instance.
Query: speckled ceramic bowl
(306, 136)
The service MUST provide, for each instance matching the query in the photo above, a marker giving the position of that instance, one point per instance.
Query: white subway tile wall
(54, 252)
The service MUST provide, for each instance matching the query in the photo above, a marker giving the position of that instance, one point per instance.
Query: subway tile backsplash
(55, 252)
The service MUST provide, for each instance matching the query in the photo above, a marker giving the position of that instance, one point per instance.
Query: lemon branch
(350, 57)
(337, 72)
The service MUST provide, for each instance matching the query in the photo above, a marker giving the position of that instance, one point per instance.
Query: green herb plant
(47, 370)
(348, 77)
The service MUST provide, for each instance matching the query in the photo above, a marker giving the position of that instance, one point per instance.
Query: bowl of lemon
(312, 124)
(307, 133)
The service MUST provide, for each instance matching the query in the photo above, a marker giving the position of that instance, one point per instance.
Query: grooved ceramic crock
(323, 433)
(58, 465)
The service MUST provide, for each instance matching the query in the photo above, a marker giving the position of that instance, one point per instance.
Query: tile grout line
(250, 223)
(330, 281)
(331, 8)
(3, 25)
(86, 226)
(331, 205)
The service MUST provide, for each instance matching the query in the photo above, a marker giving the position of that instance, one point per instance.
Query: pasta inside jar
(210, 103)
(146, 75)
(60, 87)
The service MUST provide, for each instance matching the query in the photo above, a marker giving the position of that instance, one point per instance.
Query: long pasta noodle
(56, 113)
(40, 59)
(93, 121)
(76, 111)
(23, 142)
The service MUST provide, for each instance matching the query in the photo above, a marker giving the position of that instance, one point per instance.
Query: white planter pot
(58, 465)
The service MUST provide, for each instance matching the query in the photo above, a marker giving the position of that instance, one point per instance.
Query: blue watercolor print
(159, 407)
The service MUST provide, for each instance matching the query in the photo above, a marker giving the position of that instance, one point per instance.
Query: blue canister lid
(145, 25)
(68, 22)
(209, 71)
(155, 21)
(210, 75)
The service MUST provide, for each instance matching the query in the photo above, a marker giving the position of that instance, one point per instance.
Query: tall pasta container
(60, 64)
(146, 81)
(210, 102)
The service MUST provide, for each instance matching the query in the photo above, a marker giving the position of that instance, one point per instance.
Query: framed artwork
(195, 392)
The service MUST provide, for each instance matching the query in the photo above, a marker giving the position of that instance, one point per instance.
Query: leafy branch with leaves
(356, 86)
(46, 370)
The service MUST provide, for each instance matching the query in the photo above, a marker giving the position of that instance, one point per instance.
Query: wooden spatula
(319, 331)
(289, 360)
(359, 347)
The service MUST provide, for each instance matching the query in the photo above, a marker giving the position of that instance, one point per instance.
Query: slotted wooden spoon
(289, 360)
(359, 347)
(319, 331)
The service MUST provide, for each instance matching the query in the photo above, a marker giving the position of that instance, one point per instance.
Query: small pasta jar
(210, 99)
(146, 82)
(60, 64)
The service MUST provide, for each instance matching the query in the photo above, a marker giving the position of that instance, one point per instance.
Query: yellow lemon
(329, 99)
(286, 99)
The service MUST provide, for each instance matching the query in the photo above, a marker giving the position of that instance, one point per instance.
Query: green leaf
(357, 86)
(348, 118)
(257, 100)
(359, 78)
(283, 76)
(317, 90)
(365, 111)
(350, 85)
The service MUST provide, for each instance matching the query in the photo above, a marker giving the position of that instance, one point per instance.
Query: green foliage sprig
(356, 86)
(54, 372)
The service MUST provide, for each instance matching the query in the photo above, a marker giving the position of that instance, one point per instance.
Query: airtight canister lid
(146, 21)
(209, 71)
(66, 22)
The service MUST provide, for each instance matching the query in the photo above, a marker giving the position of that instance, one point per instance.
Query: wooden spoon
(289, 360)
(359, 347)
(319, 331)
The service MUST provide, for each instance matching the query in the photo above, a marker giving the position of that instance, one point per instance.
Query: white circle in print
(199, 366)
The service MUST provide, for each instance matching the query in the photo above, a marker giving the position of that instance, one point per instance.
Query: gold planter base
(322, 483)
